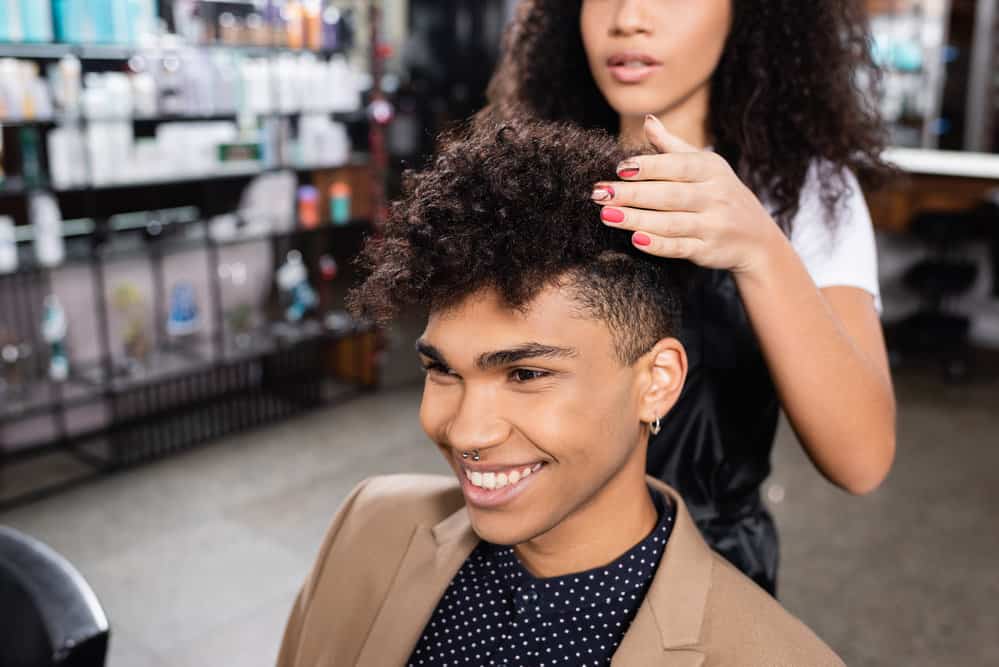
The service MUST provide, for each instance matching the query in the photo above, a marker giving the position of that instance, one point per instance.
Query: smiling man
(550, 357)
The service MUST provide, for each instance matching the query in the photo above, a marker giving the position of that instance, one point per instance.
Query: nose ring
(474, 454)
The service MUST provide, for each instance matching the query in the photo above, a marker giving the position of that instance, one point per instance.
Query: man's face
(542, 396)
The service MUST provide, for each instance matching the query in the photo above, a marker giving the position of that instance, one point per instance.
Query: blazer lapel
(434, 556)
(667, 628)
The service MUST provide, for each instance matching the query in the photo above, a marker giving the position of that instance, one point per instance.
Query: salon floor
(197, 558)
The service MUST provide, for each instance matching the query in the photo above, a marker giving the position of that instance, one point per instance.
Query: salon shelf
(356, 224)
(42, 397)
(236, 173)
(31, 50)
(207, 388)
(119, 52)
(233, 173)
(356, 116)
(130, 244)
(163, 365)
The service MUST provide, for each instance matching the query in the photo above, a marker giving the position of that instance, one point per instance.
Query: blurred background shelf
(247, 144)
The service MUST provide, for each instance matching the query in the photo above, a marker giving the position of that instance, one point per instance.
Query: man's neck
(620, 516)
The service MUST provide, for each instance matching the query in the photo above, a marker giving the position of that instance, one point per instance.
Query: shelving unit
(190, 390)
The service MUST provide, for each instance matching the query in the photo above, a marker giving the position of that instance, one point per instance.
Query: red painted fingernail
(603, 193)
(612, 215)
(627, 169)
(641, 239)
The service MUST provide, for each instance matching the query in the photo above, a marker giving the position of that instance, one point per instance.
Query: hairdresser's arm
(827, 356)
(824, 347)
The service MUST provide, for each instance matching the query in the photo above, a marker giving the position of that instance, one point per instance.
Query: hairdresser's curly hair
(506, 206)
(794, 87)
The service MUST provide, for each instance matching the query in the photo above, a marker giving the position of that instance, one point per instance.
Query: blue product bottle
(54, 332)
(5, 19)
(73, 24)
(140, 17)
(61, 11)
(102, 13)
(36, 19)
(183, 318)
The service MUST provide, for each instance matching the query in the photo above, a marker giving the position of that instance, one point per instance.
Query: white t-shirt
(842, 253)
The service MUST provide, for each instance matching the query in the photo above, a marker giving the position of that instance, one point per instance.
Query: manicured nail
(641, 239)
(627, 169)
(612, 215)
(603, 193)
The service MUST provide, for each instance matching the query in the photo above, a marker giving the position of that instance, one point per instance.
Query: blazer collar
(669, 619)
(432, 559)
(674, 607)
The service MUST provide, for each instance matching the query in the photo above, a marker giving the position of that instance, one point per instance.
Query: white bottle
(8, 245)
(47, 221)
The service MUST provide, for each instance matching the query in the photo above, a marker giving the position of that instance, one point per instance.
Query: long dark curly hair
(506, 207)
(794, 88)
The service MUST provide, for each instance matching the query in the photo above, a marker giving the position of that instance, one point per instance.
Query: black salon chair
(933, 330)
(50, 615)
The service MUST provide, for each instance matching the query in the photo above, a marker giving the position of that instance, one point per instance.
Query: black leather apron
(714, 447)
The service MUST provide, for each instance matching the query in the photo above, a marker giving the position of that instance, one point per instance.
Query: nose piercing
(474, 454)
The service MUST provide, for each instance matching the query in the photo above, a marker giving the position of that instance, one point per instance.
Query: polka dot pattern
(494, 612)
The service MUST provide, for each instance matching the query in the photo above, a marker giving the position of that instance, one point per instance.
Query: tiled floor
(197, 558)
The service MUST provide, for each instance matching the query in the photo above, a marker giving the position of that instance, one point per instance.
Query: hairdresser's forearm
(837, 395)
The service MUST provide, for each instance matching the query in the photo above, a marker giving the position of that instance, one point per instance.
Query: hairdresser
(760, 123)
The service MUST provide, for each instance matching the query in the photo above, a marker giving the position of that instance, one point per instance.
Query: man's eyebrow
(500, 358)
(428, 350)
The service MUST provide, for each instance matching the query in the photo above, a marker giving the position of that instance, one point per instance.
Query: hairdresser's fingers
(684, 167)
(671, 247)
(664, 140)
(652, 195)
(669, 224)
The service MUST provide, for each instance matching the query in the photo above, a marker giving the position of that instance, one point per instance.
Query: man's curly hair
(794, 87)
(507, 207)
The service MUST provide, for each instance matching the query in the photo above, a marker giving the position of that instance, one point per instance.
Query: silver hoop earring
(656, 426)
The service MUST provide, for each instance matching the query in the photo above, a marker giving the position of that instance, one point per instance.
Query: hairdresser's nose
(629, 18)
(477, 422)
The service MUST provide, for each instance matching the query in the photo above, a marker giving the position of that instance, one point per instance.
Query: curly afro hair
(793, 87)
(507, 207)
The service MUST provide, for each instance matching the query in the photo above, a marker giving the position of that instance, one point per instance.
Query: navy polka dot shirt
(494, 612)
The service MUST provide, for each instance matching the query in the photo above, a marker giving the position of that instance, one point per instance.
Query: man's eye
(526, 375)
(434, 367)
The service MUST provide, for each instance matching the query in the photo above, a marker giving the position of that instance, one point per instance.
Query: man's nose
(477, 424)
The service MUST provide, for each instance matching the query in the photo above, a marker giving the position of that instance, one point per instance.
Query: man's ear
(665, 371)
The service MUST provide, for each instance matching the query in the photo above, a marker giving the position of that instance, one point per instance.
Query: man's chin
(506, 532)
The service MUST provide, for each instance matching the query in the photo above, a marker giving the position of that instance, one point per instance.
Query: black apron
(714, 447)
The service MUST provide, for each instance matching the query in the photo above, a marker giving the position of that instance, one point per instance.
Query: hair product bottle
(339, 203)
(8, 245)
(47, 222)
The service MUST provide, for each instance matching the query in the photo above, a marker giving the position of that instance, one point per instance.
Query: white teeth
(493, 480)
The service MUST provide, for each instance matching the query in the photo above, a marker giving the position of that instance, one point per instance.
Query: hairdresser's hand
(689, 204)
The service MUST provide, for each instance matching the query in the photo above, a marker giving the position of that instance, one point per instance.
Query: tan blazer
(398, 541)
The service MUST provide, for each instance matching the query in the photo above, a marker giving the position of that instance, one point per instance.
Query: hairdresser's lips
(478, 495)
(632, 67)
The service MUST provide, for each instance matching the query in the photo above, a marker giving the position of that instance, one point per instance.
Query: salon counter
(932, 180)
